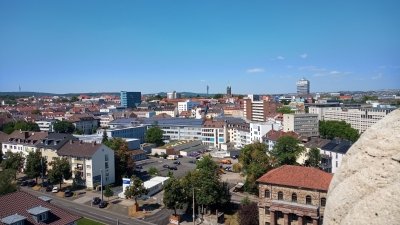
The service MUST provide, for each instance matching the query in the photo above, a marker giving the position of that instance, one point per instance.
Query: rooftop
(78, 149)
(298, 177)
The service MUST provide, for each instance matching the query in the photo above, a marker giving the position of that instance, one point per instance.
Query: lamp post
(194, 216)
(101, 183)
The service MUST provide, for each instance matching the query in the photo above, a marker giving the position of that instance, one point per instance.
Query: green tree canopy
(61, 170)
(152, 171)
(13, 161)
(74, 99)
(338, 129)
(287, 150)
(64, 127)
(218, 96)
(313, 158)
(20, 125)
(136, 189)
(105, 137)
(108, 192)
(285, 110)
(255, 162)
(174, 194)
(35, 165)
(154, 135)
(124, 164)
(7, 183)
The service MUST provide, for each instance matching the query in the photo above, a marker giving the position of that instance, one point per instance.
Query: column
(286, 218)
(272, 217)
(299, 220)
(315, 221)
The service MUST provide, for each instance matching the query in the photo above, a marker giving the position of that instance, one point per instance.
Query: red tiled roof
(298, 176)
(274, 135)
(19, 202)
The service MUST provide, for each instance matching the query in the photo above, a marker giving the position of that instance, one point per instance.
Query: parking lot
(186, 165)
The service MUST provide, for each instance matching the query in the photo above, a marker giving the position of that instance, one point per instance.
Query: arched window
(294, 197)
(323, 201)
(267, 194)
(308, 200)
(280, 195)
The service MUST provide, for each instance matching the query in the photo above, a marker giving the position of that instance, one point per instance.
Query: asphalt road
(95, 213)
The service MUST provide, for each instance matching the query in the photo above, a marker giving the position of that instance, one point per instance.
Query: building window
(294, 197)
(280, 195)
(336, 164)
(323, 201)
(88, 166)
(88, 174)
(106, 165)
(267, 194)
(106, 157)
(267, 210)
(308, 200)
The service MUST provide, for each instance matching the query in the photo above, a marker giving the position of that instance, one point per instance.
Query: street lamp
(194, 216)
(101, 183)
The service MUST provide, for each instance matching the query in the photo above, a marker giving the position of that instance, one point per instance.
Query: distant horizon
(152, 93)
(254, 46)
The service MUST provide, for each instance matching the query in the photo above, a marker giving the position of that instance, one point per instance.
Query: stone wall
(366, 188)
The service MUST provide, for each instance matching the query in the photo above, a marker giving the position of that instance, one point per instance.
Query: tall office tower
(229, 91)
(130, 99)
(303, 87)
(256, 109)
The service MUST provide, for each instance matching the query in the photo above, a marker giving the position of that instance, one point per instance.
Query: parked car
(31, 183)
(235, 157)
(45, 184)
(55, 189)
(177, 163)
(68, 193)
(96, 201)
(102, 204)
(144, 197)
(166, 166)
(24, 183)
(173, 168)
(192, 161)
(228, 168)
(49, 188)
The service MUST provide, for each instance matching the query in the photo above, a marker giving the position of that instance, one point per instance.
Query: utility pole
(41, 163)
(194, 216)
(101, 183)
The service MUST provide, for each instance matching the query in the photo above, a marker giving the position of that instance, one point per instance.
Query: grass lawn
(86, 221)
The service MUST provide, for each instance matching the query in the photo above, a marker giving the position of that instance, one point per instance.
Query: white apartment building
(171, 111)
(360, 119)
(186, 105)
(105, 120)
(137, 132)
(178, 128)
(320, 109)
(46, 125)
(304, 124)
(91, 160)
(214, 133)
(259, 130)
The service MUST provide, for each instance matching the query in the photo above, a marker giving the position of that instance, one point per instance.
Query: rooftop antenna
(19, 87)
(208, 88)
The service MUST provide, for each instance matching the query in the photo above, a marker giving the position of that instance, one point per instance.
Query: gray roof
(78, 149)
(55, 140)
(13, 219)
(339, 146)
(45, 198)
(37, 210)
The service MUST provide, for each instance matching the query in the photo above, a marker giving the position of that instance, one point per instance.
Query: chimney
(80, 142)
(94, 143)
(26, 134)
(71, 141)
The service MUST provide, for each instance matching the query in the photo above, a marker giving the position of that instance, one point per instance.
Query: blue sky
(152, 46)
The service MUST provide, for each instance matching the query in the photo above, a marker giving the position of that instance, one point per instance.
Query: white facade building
(46, 125)
(186, 106)
(304, 124)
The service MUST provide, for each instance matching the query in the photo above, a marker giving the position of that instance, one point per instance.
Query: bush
(237, 168)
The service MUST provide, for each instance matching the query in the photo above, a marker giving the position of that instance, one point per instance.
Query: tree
(338, 129)
(13, 161)
(7, 184)
(248, 214)
(8, 128)
(1, 153)
(152, 171)
(287, 150)
(26, 126)
(61, 170)
(284, 110)
(64, 127)
(35, 165)
(154, 135)
(124, 164)
(136, 189)
(174, 194)
(36, 112)
(74, 99)
(218, 96)
(255, 162)
(108, 192)
(77, 180)
(105, 137)
(313, 158)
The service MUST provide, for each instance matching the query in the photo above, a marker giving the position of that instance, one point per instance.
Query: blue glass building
(130, 99)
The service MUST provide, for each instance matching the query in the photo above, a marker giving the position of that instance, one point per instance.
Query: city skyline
(258, 47)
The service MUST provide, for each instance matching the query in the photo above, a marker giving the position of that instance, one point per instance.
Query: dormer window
(14, 220)
(39, 214)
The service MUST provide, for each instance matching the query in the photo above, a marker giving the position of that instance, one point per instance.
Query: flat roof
(45, 198)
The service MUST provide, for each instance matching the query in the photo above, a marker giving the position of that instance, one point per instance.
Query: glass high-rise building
(130, 99)
(303, 87)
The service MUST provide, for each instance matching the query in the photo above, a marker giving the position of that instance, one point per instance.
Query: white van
(173, 157)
